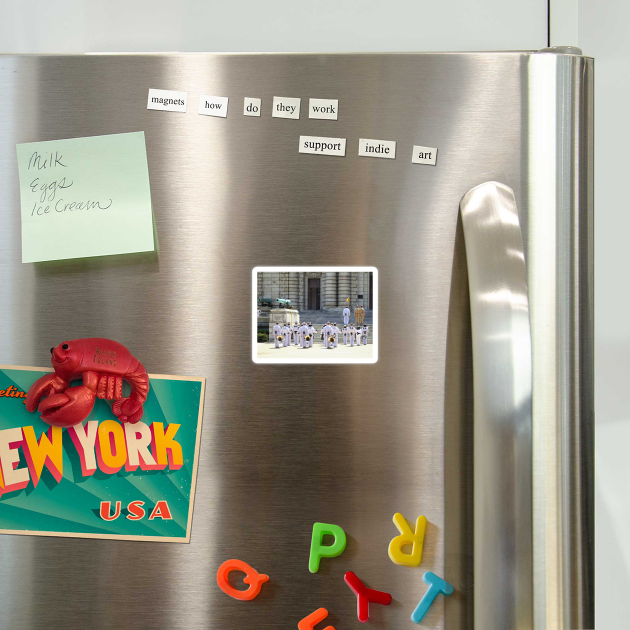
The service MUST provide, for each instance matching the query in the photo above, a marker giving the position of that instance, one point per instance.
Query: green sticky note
(84, 197)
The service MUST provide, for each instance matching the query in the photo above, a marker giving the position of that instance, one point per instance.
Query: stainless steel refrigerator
(478, 413)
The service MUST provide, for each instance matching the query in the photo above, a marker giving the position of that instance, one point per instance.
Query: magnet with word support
(407, 537)
(319, 551)
(252, 577)
(365, 596)
(436, 586)
(309, 623)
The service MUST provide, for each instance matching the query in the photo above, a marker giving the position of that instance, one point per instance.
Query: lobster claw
(128, 410)
(68, 408)
(43, 386)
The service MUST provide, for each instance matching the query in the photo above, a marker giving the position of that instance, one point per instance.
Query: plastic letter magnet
(252, 577)
(407, 537)
(319, 551)
(308, 623)
(436, 586)
(365, 596)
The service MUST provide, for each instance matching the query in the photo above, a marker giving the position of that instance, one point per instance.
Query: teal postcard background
(72, 505)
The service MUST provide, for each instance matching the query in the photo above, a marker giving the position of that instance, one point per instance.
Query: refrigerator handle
(502, 374)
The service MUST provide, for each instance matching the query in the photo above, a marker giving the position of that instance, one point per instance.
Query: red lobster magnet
(102, 364)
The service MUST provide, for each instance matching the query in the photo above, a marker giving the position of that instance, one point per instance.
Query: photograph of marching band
(315, 315)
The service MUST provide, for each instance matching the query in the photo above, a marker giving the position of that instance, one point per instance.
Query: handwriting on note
(45, 188)
(85, 197)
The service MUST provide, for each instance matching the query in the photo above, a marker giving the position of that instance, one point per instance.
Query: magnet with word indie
(309, 623)
(319, 551)
(365, 595)
(407, 537)
(436, 586)
(252, 577)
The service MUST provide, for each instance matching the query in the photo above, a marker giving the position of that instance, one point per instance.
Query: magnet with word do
(319, 550)
(252, 577)
(436, 586)
(309, 623)
(365, 595)
(407, 537)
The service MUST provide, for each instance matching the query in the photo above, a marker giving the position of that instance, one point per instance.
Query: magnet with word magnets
(407, 537)
(319, 550)
(309, 623)
(365, 596)
(252, 577)
(436, 586)
(103, 364)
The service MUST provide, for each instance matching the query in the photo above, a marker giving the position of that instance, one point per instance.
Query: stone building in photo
(317, 290)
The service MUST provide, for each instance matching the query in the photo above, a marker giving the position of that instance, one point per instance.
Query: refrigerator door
(282, 446)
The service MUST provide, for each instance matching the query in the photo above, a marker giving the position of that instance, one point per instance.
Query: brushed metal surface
(282, 446)
(560, 277)
(502, 368)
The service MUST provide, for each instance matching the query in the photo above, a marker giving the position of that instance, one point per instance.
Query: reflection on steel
(559, 253)
(502, 367)
(395, 438)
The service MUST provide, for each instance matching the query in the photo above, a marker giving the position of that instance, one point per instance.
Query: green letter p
(319, 551)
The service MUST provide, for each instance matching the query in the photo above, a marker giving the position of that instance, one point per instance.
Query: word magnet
(424, 155)
(285, 107)
(213, 106)
(365, 595)
(377, 148)
(167, 100)
(252, 577)
(319, 550)
(251, 106)
(407, 537)
(323, 108)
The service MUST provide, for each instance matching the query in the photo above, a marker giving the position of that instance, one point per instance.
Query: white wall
(604, 29)
(37, 26)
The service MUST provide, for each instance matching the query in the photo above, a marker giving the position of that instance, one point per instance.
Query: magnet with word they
(407, 537)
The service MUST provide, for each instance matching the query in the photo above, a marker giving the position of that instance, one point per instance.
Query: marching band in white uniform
(330, 329)
(277, 331)
(364, 330)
